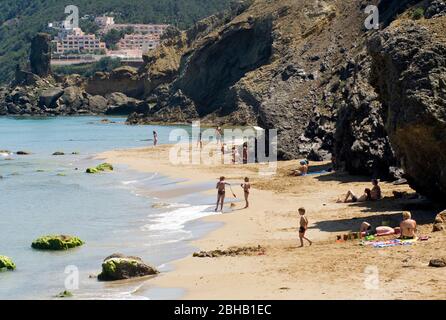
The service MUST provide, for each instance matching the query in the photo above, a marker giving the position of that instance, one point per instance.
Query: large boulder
(49, 97)
(6, 263)
(409, 74)
(120, 104)
(120, 267)
(56, 242)
(40, 56)
(98, 104)
(73, 97)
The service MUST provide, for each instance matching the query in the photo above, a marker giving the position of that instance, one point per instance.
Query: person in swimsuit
(245, 153)
(373, 194)
(366, 196)
(246, 186)
(200, 141)
(234, 155)
(218, 134)
(302, 170)
(408, 227)
(221, 192)
(155, 138)
(376, 190)
(303, 227)
(366, 228)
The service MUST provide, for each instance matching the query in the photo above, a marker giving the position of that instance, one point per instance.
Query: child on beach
(246, 186)
(221, 192)
(302, 170)
(303, 227)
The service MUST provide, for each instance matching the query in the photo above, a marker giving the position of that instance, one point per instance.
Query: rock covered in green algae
(100, 168)
(119, 267)
(56, 242)
(6, 263)
(65, 294)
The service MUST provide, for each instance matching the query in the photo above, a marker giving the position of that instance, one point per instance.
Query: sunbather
(368, 195)
(302, 170)
(408, 227)
(351, 197)
(366, 228)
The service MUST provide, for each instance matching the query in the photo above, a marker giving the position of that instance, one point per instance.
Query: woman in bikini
(221, 191)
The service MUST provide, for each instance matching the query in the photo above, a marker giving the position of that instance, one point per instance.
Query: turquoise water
(111, 212)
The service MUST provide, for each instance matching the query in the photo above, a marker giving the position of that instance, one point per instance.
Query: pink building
(76, 41)
(141, 42)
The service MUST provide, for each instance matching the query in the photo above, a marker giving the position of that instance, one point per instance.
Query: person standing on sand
(245, 153)
(221, 192)
(303, 228)
(234, 154)
(155, 138)
(246, 186)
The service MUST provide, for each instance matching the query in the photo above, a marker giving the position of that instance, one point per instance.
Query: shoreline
(326, 270)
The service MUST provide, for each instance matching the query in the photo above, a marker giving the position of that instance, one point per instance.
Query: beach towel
(388, 243)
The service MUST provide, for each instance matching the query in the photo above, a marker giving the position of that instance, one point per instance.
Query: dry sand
(327, 269)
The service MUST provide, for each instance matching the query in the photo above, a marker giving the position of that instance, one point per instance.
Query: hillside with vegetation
(20, 20)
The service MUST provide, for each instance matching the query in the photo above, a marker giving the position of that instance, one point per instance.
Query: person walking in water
(246, 186)
(221, 192)
(155, 138)
(303, 227)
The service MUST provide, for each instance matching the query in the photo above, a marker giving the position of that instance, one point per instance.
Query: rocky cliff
(311, 70)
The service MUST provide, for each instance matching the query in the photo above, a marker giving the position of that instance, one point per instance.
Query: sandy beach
(325, 270)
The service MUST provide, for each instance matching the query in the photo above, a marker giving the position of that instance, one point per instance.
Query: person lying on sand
(302, 170)
(408, 227)
(368, 195)
(351, 197)
(303, 227)
(246, 186)
(221, 191)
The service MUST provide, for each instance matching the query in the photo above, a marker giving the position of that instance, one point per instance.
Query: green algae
(6, 263)
(56, 242)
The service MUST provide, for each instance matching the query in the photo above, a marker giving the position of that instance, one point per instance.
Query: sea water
(113, 212)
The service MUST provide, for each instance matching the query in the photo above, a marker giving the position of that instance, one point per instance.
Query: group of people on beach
(221, 192)
(235, 150)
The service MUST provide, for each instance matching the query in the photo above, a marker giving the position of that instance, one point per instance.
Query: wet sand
(326, 270)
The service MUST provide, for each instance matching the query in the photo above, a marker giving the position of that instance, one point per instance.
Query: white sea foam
(140, 180)
(175, 220)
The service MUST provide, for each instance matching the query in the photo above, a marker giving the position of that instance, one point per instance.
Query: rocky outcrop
(120, 267)
(100, 168)
(6, 263)
(120, 104)
(409, 75)
(56, 242)
(124, 79)
(440, 222)
(40, 56)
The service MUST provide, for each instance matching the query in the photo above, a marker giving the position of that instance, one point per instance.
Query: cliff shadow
(387, 211)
